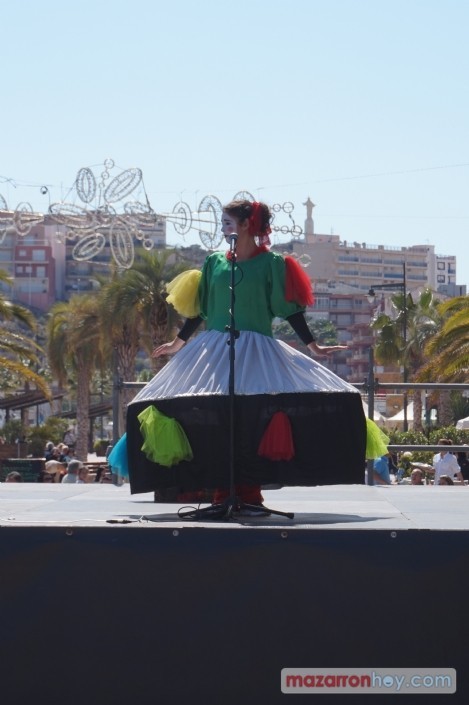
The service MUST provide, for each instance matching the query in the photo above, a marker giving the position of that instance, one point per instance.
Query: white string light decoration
(97, 211)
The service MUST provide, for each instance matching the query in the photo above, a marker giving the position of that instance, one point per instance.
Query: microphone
(232, 239)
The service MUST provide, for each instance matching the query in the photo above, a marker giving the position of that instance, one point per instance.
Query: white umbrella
(463, 423)
(400, 414)
(399, 417)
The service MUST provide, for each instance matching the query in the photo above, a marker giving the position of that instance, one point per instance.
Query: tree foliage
(324, 332)
(447, 353)
(19, 352)
(402, 337)
(75, 349)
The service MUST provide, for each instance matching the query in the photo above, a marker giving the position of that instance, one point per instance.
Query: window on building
(441, 278)
(321, 302)
(39, 255)
(441, 265)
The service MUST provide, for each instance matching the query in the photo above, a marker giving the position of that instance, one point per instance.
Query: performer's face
(229, 224)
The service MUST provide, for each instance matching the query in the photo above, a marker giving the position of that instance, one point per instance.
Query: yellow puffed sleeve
(183, 293)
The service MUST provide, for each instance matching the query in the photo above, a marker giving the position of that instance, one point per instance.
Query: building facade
(43, 262)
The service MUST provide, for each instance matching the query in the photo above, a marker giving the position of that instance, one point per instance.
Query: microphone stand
(233, 504)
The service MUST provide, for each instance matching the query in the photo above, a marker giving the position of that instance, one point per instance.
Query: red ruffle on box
(277, 441)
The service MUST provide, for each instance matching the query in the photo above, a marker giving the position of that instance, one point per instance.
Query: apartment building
(360, 265)
(43, 262)
(35, 262)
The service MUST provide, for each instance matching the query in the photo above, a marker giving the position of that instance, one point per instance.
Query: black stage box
(164, 612)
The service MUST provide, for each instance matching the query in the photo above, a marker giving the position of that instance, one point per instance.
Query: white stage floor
(361, 507)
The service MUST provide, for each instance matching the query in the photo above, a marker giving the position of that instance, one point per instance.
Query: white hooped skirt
(262, 366)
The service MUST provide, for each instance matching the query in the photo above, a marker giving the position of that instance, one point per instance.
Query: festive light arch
(98, 210)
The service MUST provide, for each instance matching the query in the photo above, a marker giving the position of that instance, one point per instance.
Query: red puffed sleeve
(298, 286)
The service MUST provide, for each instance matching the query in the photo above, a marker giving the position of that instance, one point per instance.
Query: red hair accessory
(297, 283)
(256, 228)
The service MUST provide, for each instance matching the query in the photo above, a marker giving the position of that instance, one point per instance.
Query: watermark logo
(392, 681)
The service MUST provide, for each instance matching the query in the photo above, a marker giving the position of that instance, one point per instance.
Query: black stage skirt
(329, 437)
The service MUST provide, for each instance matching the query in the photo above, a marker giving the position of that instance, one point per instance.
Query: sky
(361, 105)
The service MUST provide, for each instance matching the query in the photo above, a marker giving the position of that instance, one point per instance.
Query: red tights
(250, 494)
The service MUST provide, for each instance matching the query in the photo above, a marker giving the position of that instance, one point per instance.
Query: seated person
(417, 477)
(45, 476)
(445, 480)
(56, 469)
(73, 469)
(381, 474)
(83, 474)
(445, 463)
(14, 476)
(49, 451)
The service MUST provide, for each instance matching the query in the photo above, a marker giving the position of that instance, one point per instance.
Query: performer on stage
(296, 423)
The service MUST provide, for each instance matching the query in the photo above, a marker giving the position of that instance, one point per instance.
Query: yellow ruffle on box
(183, 293)
(376, 441)
(165, 442)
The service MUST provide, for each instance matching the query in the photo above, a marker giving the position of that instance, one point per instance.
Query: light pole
(371, 298)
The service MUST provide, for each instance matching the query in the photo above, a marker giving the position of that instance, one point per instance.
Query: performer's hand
(324, 350)
(168, 348)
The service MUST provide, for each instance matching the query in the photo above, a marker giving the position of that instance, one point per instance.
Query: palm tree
(142, 294)
(401, 338)
(135, 314)
(121, 328)
(18, 352)
(448, 351)
(120, 325)
(75, 349)
(138, 298)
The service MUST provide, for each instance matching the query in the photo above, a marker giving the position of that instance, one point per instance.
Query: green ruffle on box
(376, 441)
(165, 442)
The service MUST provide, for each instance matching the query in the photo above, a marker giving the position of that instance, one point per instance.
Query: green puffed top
(259, 292)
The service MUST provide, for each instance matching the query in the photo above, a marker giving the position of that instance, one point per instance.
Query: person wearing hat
(55, 469)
